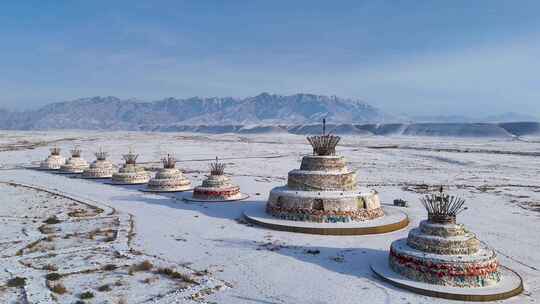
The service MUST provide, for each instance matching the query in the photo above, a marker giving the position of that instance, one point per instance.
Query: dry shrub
(143, 266)
(150, 280)
(58, 288)
(53, 276)
(104, 288)
(110, 267)
(16, 282)
(86, 295)
(52, 220)
(92, 234)
(50, 267)
(173, 274)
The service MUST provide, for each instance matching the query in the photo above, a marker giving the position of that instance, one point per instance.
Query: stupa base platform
(38, 168)
(95, 177)
(392, 220)
(510, 285)
(241, 197)
(126, 184)
(66, 172)
(165, 191)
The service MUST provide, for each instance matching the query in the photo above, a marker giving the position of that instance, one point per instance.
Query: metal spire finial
(325, 144)
(217, 168)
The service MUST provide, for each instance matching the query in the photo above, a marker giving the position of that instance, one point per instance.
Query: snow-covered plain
(238, 263)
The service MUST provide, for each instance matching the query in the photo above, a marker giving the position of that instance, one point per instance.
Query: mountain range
(111, 113)
(297, 114)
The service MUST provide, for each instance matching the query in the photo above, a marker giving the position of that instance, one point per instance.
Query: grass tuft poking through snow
(53, 276)
(52, 220)
(110, 267)
(104, 288)
(86, 295)
(16, 282)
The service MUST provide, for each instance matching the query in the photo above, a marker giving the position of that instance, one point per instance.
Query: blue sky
(410, 57)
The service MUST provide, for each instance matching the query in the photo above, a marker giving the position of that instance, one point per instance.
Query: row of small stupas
(216, 187)
(439, 258)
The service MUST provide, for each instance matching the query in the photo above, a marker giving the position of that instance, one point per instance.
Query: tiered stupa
(100, 168)
(322, 198)
(442, 258)
(75, 164)
(323, 189)
(130, 173)
(54, 161)
(217, 187)
(169, 178)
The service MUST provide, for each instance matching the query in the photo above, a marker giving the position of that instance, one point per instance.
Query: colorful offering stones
(130, 173)
(75, 164)
(323, 190)
(217, 187)
(442, 252)
(100, 168)
(168, 178)
(54, 161)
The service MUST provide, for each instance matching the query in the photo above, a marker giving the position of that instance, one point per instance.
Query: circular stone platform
(125, 184)
(510, 285)
(61, 172)
(90, 177)
(38, 168)
(164, 191)
(242, 197)
(392, 220)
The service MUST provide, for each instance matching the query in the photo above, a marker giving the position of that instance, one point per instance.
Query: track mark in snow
(511, 258)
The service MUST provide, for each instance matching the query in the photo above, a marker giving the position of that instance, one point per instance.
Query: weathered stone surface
(321, 181)
(75, 165)
(131, 174)
(322, 206)
(478, 269)
(99, 169)
(324, 163)
(444, 254)
(169, 179)
(53, 162)
(217, 187)
(461, 244)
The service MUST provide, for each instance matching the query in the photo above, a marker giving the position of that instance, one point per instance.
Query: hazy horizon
(431, 58)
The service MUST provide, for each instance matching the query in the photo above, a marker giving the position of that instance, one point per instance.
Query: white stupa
(130, 173)
(100, 168)
(54, 161)
(323, 197)
(217, 187)
(75, 164)
(169, 178)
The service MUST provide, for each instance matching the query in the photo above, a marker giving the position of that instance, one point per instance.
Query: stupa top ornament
(325, 144)
(217, 168)
(443, 208)
(101, 155)
(76, 152)
(55, 150)
(169, 162)
(130, 157)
